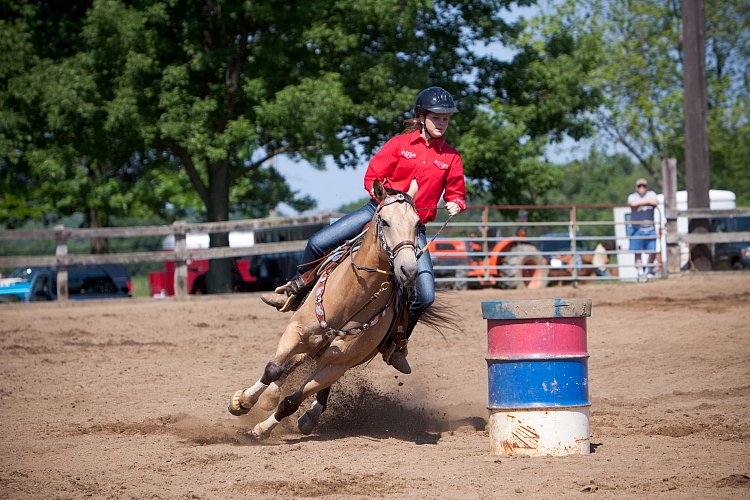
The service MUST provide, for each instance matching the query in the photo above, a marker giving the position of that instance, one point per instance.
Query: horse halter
(392, 252)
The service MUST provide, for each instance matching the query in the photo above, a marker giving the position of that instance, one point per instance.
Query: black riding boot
(396, 351)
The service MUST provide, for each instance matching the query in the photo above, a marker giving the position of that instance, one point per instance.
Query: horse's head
(397, 225)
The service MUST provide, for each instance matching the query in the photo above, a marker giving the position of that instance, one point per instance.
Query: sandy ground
(127, 399)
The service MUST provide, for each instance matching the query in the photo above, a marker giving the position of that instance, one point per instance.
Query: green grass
(140, 285)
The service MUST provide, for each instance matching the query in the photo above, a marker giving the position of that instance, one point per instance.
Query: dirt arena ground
(127, 399)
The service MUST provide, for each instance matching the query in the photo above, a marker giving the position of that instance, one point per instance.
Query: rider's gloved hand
(452, 208)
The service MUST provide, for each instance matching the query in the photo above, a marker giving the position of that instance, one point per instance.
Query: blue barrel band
(538, 408)
(538, 382)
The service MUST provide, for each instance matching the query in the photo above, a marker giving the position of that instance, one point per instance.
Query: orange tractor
(462, 259)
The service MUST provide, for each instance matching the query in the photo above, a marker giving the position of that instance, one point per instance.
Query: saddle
(302, 284)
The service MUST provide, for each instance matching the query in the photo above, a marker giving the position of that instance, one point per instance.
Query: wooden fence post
(573, 229)
(485, 244)
(669, 185)
(180, 259)
(61, 251)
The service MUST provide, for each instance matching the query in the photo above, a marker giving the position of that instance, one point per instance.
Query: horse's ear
(379, 191)
(413, 188)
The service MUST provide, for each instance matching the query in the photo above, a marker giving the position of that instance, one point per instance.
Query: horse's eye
(385, 223)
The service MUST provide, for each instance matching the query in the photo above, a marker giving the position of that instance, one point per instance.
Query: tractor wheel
(528, 278)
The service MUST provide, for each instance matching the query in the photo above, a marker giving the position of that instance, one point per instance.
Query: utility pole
(696, 123)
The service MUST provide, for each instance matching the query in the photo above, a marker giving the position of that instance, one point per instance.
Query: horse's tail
(440, 316)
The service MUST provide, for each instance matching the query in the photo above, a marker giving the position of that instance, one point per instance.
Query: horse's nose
(409, 274)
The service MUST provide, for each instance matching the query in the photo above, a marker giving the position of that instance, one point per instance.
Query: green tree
(132, 101)
(533, 100)
(640, 77)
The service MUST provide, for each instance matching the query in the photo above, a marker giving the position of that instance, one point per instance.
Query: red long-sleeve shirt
(436, 165)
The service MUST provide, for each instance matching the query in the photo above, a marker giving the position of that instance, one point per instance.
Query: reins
(422, 250)
(391, 252)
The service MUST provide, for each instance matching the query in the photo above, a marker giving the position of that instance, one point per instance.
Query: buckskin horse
(345, 318)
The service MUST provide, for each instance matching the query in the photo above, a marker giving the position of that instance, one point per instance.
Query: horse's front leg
(289, 345)
(321, 379)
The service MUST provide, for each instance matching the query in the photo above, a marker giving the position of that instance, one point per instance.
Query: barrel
(537, 376)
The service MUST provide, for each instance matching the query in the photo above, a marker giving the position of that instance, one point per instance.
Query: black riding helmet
(434, 100)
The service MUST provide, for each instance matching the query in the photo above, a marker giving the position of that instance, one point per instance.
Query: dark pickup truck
(98, 281)
(735, 255)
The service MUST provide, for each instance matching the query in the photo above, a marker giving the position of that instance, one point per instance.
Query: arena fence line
(506, 246)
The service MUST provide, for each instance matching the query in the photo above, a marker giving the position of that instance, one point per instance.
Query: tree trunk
(696, 124)
(219, 278)
(97, 245)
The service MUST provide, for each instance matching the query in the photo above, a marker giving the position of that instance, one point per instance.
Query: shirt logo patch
(441, 165)
(408, 154)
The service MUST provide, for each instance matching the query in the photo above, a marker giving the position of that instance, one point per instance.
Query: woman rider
(420, 153)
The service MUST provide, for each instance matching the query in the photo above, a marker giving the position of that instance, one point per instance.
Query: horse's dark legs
(290, 345)
(318, 381)
(307, 422)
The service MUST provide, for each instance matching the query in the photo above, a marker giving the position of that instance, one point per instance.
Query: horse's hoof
(307, 422)
(259, 434)
(235, 407)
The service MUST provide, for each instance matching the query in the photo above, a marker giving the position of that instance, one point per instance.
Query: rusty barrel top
(533, 309)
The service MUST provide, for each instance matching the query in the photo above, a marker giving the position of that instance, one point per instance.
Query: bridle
(392, 252)
(379, 234)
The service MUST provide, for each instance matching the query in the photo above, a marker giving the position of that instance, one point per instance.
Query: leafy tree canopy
(119, 108)
(639, 76)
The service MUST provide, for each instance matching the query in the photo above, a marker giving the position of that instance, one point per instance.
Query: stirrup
(289, 299)
(297, 290)
(292, 303)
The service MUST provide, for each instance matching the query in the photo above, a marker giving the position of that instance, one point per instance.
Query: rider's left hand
(452, 208)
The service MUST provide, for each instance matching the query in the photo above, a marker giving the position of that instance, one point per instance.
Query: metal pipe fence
(494, 248)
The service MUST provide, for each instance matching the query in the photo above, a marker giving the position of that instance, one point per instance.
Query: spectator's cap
(642, 182)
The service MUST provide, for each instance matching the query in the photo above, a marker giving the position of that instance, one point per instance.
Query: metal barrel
(537, 374)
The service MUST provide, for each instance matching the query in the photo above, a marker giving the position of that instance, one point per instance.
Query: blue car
(97, 281)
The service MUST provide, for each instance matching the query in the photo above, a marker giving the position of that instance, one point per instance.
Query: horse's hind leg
(318, 381)
(307, 422)
(289, 344)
